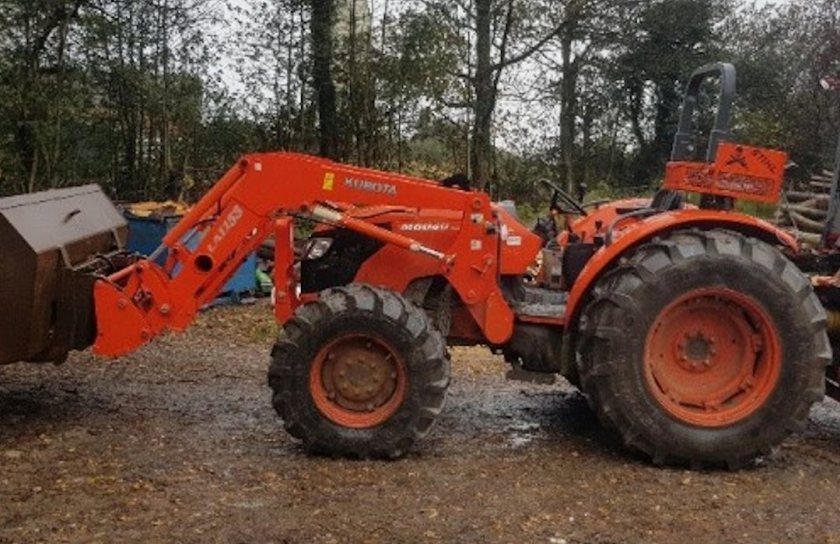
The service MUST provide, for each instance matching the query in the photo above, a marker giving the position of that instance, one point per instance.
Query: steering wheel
(563, 201)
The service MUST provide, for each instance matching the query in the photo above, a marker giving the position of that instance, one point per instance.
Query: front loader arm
(262, 194)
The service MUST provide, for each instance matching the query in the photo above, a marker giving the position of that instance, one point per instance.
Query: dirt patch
(179, 443)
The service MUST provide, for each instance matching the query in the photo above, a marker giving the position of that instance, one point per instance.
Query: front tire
(705, 348)
(360, 373)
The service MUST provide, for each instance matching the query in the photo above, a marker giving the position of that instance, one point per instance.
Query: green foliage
(670, 40)
(782, 53)
(157, 98)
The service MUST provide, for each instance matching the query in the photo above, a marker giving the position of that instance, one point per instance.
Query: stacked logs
(803, 211)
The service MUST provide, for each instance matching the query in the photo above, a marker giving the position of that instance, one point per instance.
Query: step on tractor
(689, 327)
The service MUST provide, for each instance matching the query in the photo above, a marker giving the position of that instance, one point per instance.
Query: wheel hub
(697, 351)
(360, 378)
(712, 357)
(357, 381)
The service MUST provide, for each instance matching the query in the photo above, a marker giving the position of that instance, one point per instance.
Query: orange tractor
(687, 327)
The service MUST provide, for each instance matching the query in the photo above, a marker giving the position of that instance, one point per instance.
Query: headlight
(317, 248)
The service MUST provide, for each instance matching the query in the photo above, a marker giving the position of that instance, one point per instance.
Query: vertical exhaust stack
(52, 247)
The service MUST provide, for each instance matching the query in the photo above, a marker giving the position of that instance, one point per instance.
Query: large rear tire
(706, 348)
(360, 373)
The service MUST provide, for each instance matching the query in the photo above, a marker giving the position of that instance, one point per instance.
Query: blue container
(145, 234)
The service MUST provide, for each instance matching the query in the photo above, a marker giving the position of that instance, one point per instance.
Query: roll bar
(685, 141)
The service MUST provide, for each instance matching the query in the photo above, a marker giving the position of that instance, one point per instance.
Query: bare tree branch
(503, 46)
(529, 51)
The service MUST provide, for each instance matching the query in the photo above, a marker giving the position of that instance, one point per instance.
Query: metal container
(51, 246)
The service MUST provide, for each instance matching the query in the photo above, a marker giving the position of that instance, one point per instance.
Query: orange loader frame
(263, 194)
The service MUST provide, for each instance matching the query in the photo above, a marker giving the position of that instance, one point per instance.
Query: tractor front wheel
(705, 348)
(360, 372)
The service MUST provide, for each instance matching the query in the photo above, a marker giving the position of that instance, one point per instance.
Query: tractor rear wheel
(360, 372)
(706, 348)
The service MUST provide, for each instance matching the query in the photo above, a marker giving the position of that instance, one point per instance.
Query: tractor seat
(666, 200)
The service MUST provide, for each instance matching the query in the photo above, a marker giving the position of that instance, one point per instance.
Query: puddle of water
(519, 441)
(524, 426)
(523, 433)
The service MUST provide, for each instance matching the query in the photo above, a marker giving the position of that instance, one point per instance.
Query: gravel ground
(179, 443)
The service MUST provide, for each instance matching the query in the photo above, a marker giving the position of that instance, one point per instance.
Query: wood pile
(803, 210)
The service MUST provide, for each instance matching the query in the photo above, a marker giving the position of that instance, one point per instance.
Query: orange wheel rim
(357, 381)
(713, 357)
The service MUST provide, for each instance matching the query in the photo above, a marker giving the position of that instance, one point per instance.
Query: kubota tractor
(689, 330)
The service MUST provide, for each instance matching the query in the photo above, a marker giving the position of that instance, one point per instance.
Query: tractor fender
(658, 225)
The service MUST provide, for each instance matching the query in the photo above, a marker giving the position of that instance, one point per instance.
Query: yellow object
(156, 209)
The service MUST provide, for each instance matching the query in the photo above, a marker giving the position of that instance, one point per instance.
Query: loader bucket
(51, 246)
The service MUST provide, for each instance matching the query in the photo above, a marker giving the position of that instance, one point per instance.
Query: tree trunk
(636, 89)
(668, 102)
(355, 113)
(385, 14)
(303, 107)
(586, 144)
(289, 142)
(55, 152)
(613, 148)
(33, 172)
(322, 46)
(485, 97)
(568, 114)
(167, 172)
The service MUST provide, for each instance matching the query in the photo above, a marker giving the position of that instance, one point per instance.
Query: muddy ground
(179, 444)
